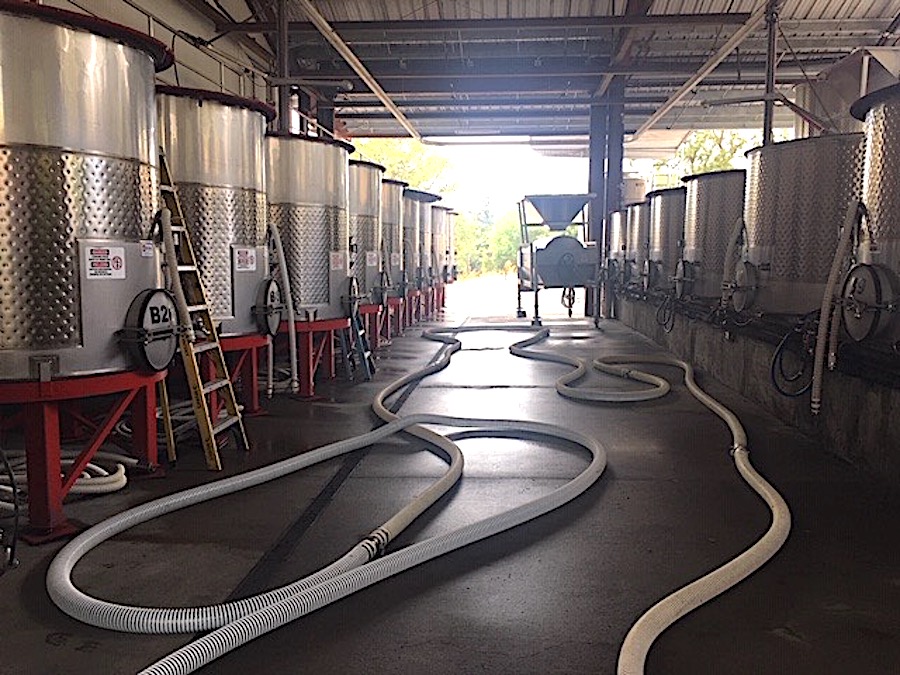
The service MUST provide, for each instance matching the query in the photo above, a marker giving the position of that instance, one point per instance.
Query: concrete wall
(859, 422)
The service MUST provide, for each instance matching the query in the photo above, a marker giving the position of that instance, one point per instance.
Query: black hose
(777, 370)
(665, 313)
(9, 557)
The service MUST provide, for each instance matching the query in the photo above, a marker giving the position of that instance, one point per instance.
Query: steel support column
(615, 147)
(771, 61)
(284, 90)
(596, 185)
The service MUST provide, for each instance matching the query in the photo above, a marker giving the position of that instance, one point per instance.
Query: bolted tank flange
(150, 334)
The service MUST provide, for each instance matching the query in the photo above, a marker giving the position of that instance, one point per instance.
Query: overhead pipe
(344, 50)
(771, 59)
(730, 45)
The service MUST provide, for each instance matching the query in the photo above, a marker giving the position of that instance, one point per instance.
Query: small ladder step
(214, 385)
(200, 347)
(226, 423)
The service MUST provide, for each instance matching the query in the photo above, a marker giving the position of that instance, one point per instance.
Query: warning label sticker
(104, 262)
(244, 259)
(337, 261)
(371, 259)
(395, 260)
(147, 248)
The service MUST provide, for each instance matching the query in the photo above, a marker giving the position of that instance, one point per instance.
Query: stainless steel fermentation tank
(638, 241)
(440, 245)
(666, 233)
(451, 246)
(411, 268)
(78, 195)
(714, 203)
(618, 243)
(215, 147)
(796, 198)
(308, 197)
(392, 226)
(366, 229)
(871, 289)
(423, 201)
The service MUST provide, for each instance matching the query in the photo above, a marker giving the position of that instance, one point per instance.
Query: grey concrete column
(596, 185)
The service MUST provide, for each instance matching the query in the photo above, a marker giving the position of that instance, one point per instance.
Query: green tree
(406, 159)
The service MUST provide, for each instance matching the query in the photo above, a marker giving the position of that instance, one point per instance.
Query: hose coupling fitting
(736, 449)
(377, 541)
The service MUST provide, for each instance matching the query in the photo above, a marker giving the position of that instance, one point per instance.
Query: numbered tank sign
(371, 259)
(269, 307)
(151, 329)
(337, 261)
(395, 260)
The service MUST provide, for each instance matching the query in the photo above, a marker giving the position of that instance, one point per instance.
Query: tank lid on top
(365, 162)
(312, 139)
(862, 106)
(219, 97)
(162, 56)
(443, 207)
(705, 174)
(394, 181)
(639, 203)
(807, 139)
(666, 191)
(420, 195)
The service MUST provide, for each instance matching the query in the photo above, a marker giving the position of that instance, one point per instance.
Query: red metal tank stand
(440, 300)
(245, 369)
(315, 347)
(395, 324)
(371, 315)
(413, 307)
(42, 405)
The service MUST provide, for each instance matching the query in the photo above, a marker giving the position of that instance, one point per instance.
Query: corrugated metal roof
(520, 66)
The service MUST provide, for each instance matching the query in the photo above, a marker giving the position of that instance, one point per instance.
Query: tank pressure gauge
(150, 335)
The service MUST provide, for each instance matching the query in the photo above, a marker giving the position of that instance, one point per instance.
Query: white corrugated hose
(235, 623)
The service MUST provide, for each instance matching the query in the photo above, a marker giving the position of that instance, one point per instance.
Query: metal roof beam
(518, 102)
(438, 25)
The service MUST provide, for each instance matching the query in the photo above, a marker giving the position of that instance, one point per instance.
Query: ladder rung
(187, 268)
(225, 424)
(200, 347)
(179, 228)
(196, 308)
(167, 188)
(210, 387)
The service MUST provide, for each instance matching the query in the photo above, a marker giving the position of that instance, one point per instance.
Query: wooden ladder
(198, 330)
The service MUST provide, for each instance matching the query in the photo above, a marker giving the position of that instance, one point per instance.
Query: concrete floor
(556, 595)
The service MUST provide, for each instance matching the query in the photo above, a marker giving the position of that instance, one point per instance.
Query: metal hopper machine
(553, 252)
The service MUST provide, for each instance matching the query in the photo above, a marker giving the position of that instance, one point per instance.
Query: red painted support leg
(306, 362)
(143, 420)
(328, 353)
(250, 378)
(43, 456)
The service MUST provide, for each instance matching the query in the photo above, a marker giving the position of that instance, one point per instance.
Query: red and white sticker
(337, 261)
(104, 262)
(147, 248)
(244, 259)
(395, 260)
(371, 258)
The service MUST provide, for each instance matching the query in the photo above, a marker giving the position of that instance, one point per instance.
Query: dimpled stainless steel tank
(392, 203)
(638, 238)
(796, 198)
(365, 226)
(871, 288)
(215, 147)
(411, 268)
(78, 189)
(308, 198)
(713, 203)
(440, 216)
(451, 245)
(666, 232)
(423, 201)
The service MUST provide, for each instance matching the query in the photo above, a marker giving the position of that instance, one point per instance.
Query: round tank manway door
(151, 329)
(269, 307)
(867, 291)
